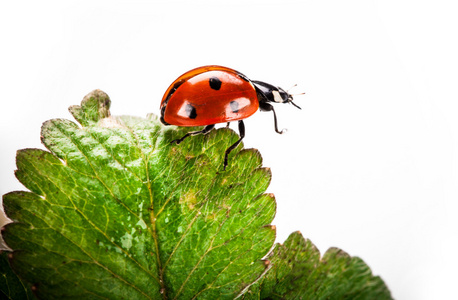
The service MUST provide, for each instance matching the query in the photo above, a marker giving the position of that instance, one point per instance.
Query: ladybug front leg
(242, 135)
(203, 131)
(267, 107)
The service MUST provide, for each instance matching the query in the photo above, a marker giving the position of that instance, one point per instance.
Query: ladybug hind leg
(233, 146)
(203, 131)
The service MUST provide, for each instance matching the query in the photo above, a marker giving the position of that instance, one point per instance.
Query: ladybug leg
(227, 125)
(203, 131)
(267, 107)
(242, 135)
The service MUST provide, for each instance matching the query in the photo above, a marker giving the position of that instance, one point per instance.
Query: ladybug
(209, 95)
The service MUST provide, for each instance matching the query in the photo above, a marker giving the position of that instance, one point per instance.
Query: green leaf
(11, 286)
(116, 211)
(297, 272)
(94, 107)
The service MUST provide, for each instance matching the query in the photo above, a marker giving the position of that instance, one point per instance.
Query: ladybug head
(285, 97)
(269, 93)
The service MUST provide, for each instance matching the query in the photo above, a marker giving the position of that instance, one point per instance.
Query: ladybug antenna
(291, 88)
(291, 96)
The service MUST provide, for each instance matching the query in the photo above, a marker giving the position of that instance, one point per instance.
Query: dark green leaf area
(116, 211)
(11, 286)
(298, 273)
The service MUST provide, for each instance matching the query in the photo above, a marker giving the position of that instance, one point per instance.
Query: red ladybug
(209, 95)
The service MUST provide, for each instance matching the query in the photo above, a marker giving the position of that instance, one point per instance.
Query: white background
(368, 165)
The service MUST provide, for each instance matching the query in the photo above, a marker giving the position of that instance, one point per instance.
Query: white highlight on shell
(277, 97)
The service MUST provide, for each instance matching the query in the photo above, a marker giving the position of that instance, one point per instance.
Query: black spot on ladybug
(234, 106)
(190, 111)
(215, 83)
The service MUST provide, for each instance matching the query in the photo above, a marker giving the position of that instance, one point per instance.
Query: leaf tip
(94, 107)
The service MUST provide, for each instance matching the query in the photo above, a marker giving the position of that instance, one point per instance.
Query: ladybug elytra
(209, 95)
